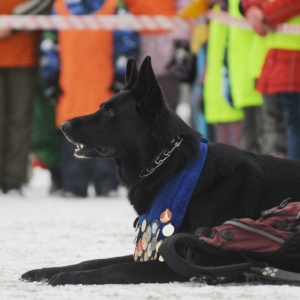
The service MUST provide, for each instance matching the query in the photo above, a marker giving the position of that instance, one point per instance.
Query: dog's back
(236, 183)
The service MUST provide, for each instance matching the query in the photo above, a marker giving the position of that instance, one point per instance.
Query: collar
(163, 155)
(168, 209)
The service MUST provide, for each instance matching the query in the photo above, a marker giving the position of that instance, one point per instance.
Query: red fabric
(275, 11)
(37, 163)
(278, 11)
(233, 237)
(280, 73)
(244, 240)
(152, 7)
(281, 70)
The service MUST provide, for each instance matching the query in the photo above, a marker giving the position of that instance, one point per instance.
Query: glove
(52, 93)
(182, 64)
(255, 17)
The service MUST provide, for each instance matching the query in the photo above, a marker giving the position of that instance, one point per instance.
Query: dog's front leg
(46, 273)
(124, 273)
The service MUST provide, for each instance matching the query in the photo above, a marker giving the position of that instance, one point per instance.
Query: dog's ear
(131, 73)
(150, 99)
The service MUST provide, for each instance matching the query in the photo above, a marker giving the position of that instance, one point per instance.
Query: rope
(112, 22)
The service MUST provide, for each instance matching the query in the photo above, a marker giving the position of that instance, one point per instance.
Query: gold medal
(144, 241)
(158, 245)
(146, 257)
(144, 225)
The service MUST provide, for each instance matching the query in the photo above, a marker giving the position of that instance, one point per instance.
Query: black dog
(134, 127)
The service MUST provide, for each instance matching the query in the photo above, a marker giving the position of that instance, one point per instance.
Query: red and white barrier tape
(226, 19)
(106, 22)
(111, 22)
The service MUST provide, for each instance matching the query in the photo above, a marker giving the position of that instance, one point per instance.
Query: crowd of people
(234, 85)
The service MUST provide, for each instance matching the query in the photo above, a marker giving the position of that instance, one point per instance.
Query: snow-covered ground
(38, 231)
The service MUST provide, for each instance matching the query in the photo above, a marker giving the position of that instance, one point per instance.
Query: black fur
(133, 127)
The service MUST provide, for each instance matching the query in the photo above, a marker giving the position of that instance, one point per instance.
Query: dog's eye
(109, 112)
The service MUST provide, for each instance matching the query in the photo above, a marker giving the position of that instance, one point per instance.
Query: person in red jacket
(280, 75)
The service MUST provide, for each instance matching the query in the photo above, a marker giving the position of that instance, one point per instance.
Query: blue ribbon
(175, 196)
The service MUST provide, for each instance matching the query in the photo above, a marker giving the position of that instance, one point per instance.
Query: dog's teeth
(79, 146)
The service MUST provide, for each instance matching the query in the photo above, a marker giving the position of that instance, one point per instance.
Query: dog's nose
(66, 127)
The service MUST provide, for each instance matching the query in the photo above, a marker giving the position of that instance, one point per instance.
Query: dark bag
(241, 250)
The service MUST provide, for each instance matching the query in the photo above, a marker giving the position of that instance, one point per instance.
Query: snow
(39, 230)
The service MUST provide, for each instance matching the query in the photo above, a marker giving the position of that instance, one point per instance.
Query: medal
(144, 241)
(144, 225)
(149, 233)
(165, 216)
(168, 230)
(158, 245)
(154, 227)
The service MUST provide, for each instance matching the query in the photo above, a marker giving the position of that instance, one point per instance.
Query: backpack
(266, 250)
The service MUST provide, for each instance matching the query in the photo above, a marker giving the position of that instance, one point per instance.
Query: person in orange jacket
(18, 66)
(88, 69)
(280, 75)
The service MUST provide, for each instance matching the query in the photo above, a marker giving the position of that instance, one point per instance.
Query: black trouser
(274, 126)
(17, 88)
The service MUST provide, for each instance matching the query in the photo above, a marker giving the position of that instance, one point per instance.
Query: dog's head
(126, 118)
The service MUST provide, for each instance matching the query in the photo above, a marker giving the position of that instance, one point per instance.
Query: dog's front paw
(39, 274)
(67, 278)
